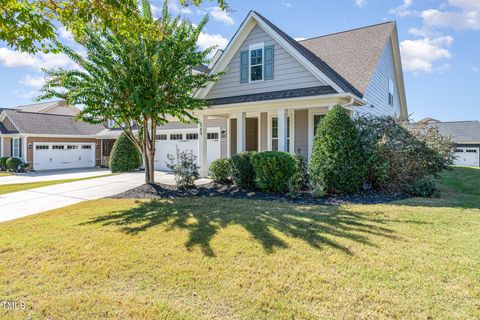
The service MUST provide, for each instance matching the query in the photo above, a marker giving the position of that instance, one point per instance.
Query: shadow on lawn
(203, 218)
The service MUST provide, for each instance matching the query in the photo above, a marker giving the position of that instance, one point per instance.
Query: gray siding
(288, 72)
(301, 132)
(264, 131)
(377, 90)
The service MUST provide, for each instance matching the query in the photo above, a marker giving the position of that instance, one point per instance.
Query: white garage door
(53, 156)
(185, 140)
(467, 156)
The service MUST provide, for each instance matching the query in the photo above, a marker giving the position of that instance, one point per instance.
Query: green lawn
(211, 258)
(4, 174)
(32, 185)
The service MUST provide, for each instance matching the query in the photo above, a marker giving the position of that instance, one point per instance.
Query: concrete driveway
(23, 203)
(53, 175)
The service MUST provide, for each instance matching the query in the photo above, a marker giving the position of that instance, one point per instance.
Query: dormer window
(256, 62)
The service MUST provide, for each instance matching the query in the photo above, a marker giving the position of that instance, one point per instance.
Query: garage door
(53, 156)
(467, 156)
(187, 140)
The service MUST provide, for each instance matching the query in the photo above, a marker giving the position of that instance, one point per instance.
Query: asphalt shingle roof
(460, 131)
(42, 123)
(38, 107)
(353, 54)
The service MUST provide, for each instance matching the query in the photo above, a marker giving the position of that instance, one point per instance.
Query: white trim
(255, 46)
(2, 146)
(50, 143)
(240, 36)
(229, 137)
(25, 149)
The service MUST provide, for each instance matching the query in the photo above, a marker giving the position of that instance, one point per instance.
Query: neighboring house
(46, 137)
(466, 135)
(272, 96)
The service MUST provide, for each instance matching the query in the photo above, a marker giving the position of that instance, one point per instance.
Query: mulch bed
(161, 191)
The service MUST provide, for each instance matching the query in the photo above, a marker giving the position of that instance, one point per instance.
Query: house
(272, 96)
(466, 135)
(47, 136)
(276, 90)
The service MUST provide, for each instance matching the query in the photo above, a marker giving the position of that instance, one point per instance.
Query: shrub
(13, 164)
(3, 163)
(425, 187)
(274, 170)
(242, 170)
(185, 168)
(220, 171)
(125, 156)
(300, 180)
(337, 163)
(401, 156)
(23, 167)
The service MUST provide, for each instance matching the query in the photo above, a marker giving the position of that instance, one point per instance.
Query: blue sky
(440, 45)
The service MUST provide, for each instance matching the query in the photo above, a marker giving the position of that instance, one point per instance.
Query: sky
(439, 43)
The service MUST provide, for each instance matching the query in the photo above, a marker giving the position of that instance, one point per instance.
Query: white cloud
(287, 4)
(463, 15)
(28, 94)
(176, 7)
(403, 9)
(34, 82)
(422, 54)
(11, 58)
(361, 3)
(65, 34)
(219, 15)
(300, 38)
(206, 40)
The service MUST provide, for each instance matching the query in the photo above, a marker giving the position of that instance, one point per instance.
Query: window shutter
(20, 147)
(269, 54)
(11, 147)
(244, 66)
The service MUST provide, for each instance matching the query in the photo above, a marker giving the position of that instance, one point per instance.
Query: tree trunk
(146, 154)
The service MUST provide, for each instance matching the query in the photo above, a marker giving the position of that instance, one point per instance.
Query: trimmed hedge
(125, 156)
(3, 163)
(242, 170)
(337, 163)
(220, 170)
(13, 164)
(274, 170)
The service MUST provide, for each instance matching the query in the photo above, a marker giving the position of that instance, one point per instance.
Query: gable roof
(44, 123)
(38, 107)
(354, 54)
(314, 59)
(460, 131)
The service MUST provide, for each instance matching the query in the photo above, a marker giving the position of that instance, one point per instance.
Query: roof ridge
(34, 104)
(42, 113)
(349, 30)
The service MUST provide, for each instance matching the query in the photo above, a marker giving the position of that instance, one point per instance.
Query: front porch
(287, 126)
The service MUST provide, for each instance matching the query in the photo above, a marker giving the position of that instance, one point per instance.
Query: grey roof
(202, 68)
(460, 131)
(315, 60)
(43, 123)
(275, 95)
(38, 107)
(354, 54)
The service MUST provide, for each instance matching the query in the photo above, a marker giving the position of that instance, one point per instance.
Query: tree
(337, 164)
(139, 80)
(29, 25)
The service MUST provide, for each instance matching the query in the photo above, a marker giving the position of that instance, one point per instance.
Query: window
(161, 137)
(458, 150)
(58, 147)
(390, 92)
(471, 150)
(275, 134)
(256, 64)
(72, 147)
(176, 136)
(192, 136)
(41, 147)
(86, 146)
(212, 136)
(16, 148)
(317, 119)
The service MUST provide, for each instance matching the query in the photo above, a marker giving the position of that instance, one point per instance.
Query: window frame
(251, 48)
(272, 138)
(176, 135)
(16, 148)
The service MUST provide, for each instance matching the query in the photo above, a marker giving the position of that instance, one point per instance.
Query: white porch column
(229, 144)
(2, 146)
(241, 132)
(202, 146)
(282, 130)
(25, 148)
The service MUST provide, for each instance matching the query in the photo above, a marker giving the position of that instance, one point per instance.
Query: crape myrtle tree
(30, 25)
(139, 81)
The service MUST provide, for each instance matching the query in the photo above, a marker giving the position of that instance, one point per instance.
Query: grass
(4, 174)
(7, 188)
(211, 258)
